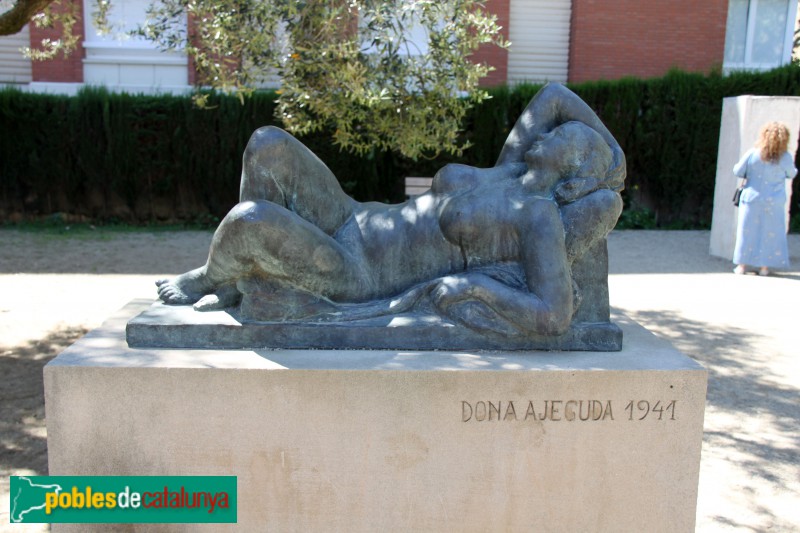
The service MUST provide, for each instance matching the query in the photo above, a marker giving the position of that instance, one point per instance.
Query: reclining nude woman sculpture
(492, 249)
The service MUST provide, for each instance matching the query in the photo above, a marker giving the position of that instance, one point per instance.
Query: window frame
(788, 39)
(120, 62)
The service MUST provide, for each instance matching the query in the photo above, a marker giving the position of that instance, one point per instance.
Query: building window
(539, 34)
(130, 63)
(759, 34)
(14, 67)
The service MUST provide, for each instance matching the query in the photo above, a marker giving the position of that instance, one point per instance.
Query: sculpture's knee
(246, 237)
(247, 212)
(268, 134)
(266, 163)
(264, 139)
(251, 229)
(236, 226)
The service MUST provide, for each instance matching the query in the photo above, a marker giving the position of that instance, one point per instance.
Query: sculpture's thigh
(278, 168)
(264, 240)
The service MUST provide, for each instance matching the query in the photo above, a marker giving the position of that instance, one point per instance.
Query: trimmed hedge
(669, 131)
(106, 156)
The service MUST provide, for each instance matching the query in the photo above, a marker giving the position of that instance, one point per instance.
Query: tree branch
(13, 20)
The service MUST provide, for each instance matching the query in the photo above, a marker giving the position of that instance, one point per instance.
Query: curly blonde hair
(773, 139)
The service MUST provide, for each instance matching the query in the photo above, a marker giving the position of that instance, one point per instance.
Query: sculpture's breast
(482, 221)
(453, 178)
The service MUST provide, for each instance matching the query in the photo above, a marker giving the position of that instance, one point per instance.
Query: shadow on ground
(23, 440)
(743, 385)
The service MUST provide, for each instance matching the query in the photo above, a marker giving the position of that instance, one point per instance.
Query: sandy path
(742, 328)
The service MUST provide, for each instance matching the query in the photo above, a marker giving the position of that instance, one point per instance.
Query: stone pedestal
(742, 118)
(392, 440)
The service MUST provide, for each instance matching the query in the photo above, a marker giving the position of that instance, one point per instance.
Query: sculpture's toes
(162, 281)
(171, 295)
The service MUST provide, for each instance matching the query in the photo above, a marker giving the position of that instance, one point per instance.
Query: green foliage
(65, 19)
(669, 130)
(374, 74)
(637, 218)
(118, 157)
(350, 67)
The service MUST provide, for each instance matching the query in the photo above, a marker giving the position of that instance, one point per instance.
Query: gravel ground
(55, 287)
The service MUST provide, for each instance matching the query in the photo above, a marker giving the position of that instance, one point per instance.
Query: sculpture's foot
(185, 289)
(225, 297)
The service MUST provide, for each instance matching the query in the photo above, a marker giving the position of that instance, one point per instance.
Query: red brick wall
(60, 69)
(494, 55)
(610, 39)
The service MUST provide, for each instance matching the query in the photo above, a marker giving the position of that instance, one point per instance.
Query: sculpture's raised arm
(552, 106)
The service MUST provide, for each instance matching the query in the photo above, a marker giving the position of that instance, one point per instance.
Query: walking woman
(761, 233)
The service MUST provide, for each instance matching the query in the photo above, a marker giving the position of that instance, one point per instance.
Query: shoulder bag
(737, 196)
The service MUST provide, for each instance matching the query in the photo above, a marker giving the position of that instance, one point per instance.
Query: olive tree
(379, 74)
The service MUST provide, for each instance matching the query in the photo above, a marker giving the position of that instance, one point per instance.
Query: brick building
(558, 40)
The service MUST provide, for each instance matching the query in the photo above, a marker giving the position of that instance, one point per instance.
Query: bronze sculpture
(509, 251)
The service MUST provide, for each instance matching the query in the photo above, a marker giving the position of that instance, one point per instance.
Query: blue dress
(761, 233)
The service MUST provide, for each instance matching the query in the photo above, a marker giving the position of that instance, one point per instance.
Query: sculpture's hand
(570, 190)
(463, 299)
(451, 290)
(486, 305)
(589, 219)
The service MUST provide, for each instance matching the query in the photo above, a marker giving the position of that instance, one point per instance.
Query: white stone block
(101, 74)
(392, 440)
(171, 75)
(742, 118)
(137, 75)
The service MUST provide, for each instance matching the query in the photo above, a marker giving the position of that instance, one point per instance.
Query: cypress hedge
(105, 156)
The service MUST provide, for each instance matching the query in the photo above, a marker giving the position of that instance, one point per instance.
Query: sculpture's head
(572, 152)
